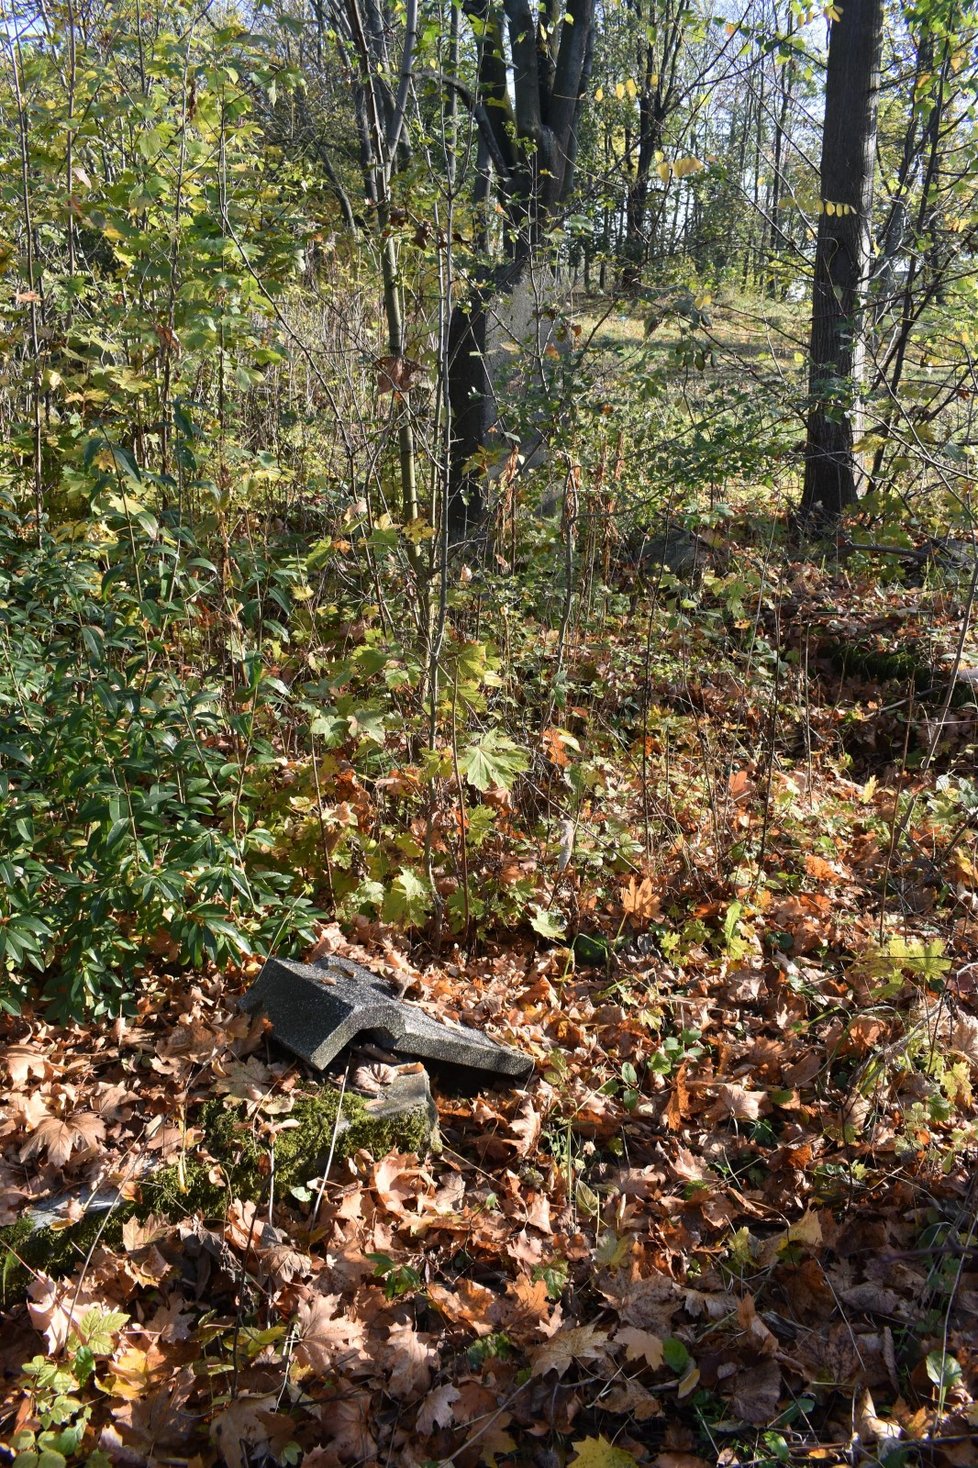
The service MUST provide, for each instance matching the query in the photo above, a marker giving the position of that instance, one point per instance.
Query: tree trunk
(473, 409)
(842, 258)
(533, 115)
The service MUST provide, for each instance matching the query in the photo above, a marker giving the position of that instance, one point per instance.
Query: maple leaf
(24, 1060)
(469, 1304)
(598, 1452)
(964, 1037)
(346, 1423)
(572, 1343)
(397, 375)
(395, 1181)
(243, 1425)
(59, 1136)
(640, 1345)
(132, 1373)
(284, 1263)
(326, 1337)
(321, 1458)
(152, 1419)
(677, 1106)
(410, 1358)
(640, 901)
(735, 1102)
(631, 1399)
(650, 1303)
(680, 1460)
(526, 1125)
(247, 1080)
(437, 1409)
(871, 1428)
(136, 1235)
(756, 1392)
(54, 1309)
(556, 743)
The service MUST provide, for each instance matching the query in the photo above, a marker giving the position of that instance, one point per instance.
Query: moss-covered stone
(242, 1149)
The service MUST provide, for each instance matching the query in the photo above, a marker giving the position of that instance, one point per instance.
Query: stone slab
(316, 1009)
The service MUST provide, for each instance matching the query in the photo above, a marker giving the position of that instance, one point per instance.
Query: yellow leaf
(131, 1375)
(599, 95)
(619, 90)
(690, 1381)
(664, 171)
(631, 88)
(418, 530)
(598, 1452)
(683, 167)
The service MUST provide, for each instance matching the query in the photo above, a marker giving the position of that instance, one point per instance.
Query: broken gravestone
(317, 1008)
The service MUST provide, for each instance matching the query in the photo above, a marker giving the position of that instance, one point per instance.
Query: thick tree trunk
(842, 258)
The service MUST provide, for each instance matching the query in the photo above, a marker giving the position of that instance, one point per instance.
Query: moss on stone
(233, 1141)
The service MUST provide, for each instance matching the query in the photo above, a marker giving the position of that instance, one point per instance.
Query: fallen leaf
(328, 1338)
(437, 1409)
(640, 1345)
(598, 1452)
(570, 1344)
(24, 1060)
(59, 1136)
(410, 1357)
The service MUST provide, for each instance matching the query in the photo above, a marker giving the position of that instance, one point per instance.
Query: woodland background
(490, 490)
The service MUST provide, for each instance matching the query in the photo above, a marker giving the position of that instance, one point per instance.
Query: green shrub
(126, 834)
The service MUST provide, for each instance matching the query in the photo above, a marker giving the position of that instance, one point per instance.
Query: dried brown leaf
(59, 1136)
(572, 1343)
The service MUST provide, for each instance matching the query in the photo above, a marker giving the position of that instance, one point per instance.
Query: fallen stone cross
(318, 1008)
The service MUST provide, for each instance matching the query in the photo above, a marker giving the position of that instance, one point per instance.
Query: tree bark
(534, 150)
(842, 259)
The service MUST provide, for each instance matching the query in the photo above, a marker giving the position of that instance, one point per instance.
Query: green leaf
(675, 1355)
(97, 1329)
(50, 1459)
(493, 761)
(547, 923)
(943, 1370)
(408, 899)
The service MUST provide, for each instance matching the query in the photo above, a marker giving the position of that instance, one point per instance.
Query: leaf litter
(732, 1215)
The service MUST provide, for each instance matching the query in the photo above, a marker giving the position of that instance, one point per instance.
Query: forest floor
(730, 1220)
